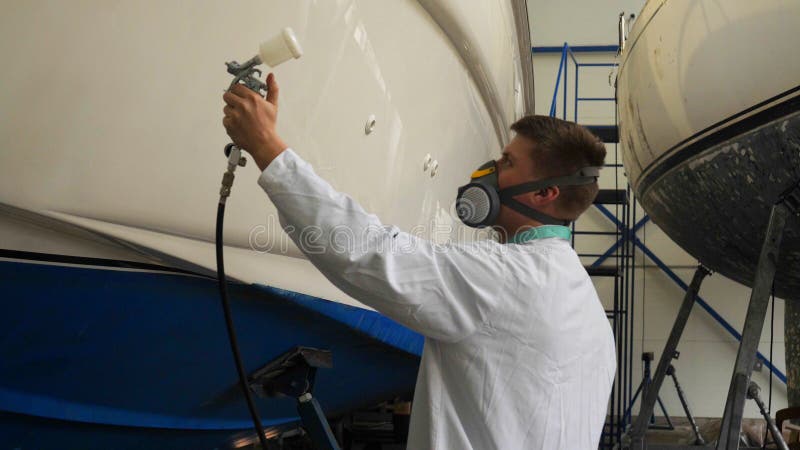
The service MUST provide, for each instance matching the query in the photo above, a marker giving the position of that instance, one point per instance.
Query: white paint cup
(280, 48)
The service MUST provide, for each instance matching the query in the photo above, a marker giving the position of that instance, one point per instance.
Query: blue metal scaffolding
(620, 268)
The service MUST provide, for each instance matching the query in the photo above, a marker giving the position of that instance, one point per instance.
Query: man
(518, 352)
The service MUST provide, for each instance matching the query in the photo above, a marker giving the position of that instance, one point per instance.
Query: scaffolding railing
(620, 313)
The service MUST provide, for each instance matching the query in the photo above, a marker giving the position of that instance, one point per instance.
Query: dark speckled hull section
(716, 204)
(791, 334)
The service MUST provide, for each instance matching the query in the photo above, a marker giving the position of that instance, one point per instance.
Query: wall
(708, 352)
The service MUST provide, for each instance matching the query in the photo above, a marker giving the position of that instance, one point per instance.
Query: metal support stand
(634, 439)
(647, 380)
(292, 374)
(752, 393)
(315, 423)
(698, 439)
(754, 321)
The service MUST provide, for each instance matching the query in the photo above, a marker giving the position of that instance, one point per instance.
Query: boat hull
(709, 128)
(126, 351)
(110, 317)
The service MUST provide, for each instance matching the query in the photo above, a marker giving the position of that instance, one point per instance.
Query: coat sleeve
(445, 292)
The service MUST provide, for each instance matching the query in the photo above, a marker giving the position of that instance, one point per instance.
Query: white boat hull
(112, 156)
(709, 94)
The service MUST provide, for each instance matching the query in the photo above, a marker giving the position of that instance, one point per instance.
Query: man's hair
(562, 148)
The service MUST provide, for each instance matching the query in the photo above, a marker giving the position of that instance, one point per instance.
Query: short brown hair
(562, 148)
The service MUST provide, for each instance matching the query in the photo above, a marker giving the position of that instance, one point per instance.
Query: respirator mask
(478, 202)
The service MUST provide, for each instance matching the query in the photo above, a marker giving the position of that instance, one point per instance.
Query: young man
(518, 351)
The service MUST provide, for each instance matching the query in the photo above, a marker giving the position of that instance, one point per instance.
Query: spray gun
(273, 52)
(281, 48)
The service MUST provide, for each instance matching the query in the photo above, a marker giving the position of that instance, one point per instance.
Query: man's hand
(250, 121)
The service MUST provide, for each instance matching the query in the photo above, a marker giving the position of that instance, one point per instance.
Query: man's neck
(516, 229)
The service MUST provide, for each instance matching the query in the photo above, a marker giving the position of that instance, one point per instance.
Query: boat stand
(647, 380)
(698, 438)
(292, 374)
(752, 394)
(634, 438)
(788, 204)
(645, 385)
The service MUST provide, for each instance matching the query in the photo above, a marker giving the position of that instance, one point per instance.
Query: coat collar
(542, 232)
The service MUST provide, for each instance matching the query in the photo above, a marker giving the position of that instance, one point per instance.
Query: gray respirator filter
(478, 202)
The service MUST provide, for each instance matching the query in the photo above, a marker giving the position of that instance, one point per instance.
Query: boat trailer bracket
(292, 374)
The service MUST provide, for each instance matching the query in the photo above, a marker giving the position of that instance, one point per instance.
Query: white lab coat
(518, 352)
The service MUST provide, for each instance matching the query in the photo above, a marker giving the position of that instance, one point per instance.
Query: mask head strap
(586, 175)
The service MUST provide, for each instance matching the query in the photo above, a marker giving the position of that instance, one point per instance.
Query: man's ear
(545, 196)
